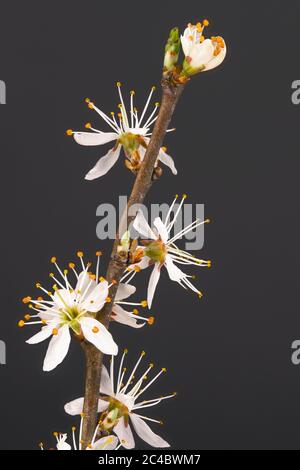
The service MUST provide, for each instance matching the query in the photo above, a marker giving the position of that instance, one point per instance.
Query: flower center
(130, 142)
(156, 251)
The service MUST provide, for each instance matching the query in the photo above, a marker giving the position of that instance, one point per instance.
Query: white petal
(186, 44)
(57, 349)
(124, 291)
(102, 339)
(174, 272)
(75, 407)
(63, 297)
(45, 333)
(161, 229)
(167, 160)
(202, 53)
(124, 434)
(106, 443)
(94, 138)
(217, 60)
(95, 300)
(83, 282)
(104, 164)
(121, 316)
(49, 315)
(141, 225)
(154, 278)
(106, 386)
(145, 433)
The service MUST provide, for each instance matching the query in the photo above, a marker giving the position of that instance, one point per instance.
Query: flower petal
(106, 385)
(121, 316)
(167, 160)
(46, 332)
(154, 278)
(104, 164)
(75, 407)
(124, 291)
(98, 335)
(145, 433)
(141, 225)
(202, 53)
(106, 443)
(85, 282)
(161, 229)
(63, 297)
(95, 300)
(124, 434)
(217, 60)
(174, 272)
(57, 349)
(94, 138)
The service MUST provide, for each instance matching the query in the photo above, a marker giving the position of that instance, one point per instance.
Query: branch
(117, 265)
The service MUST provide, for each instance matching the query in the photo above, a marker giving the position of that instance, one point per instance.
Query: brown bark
(117, 264)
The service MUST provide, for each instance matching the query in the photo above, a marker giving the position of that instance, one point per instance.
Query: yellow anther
(55, 331)
(98, 253)
(95, 329)
(91, 105)
(161, 423)
(79, 254)
(174, 394)
(88, 125)
(200, 295)
(114, 282)
(144, 303)
(71, 265)
(102, 279)
(164, 149)
(151, 320)
(73, 428)
(199, 27)
(120, 105)
(143, 353)
(153, 88)
(92, 276)
(135, 311)
(108, 300)
(69, 132)
(125, 351)
(53, 259)
(112, 113)
(132, 92)
(82, 415)
(21, 323)
(205, 23)
(184, 196)
(157, 104)
(26, 300)
(51, 274)
(90, 446)
(209, 263)
(55, 434)
(137, 269)
(87, 100)
(38, 285)
(151, 365)
(54, 287)
(27, 317)
(202, 38)
(164, 369)
(44, 322)
(119, 84)
(40, 298)
(207, 221)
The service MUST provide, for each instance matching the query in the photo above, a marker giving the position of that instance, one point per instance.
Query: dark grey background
(237, 151)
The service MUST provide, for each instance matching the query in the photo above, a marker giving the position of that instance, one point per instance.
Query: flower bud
(172, 50)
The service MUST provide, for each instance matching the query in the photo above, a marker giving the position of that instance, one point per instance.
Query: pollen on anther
(119, 84)
(98, 253)
(144, 303)
(73, 428)
(164, 369)
(55, 331)
(21, 323)
(71, 265)
(79, 254)
(69, 132)
(95, 329)
(108, 300)
(135, 311)
(151, 321)
(88, 125)
(26, 300)
(205, 22)
(53, 259)
(157, 104)
(184, 196)
(87, 100)
(101, 279)
(125, 351)
(27, 317)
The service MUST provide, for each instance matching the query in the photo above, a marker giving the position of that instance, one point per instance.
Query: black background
(236, 150)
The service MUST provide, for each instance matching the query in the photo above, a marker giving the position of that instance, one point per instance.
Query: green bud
(172, 50)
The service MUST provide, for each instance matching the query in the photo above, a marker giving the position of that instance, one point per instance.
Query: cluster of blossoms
(78, 294)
